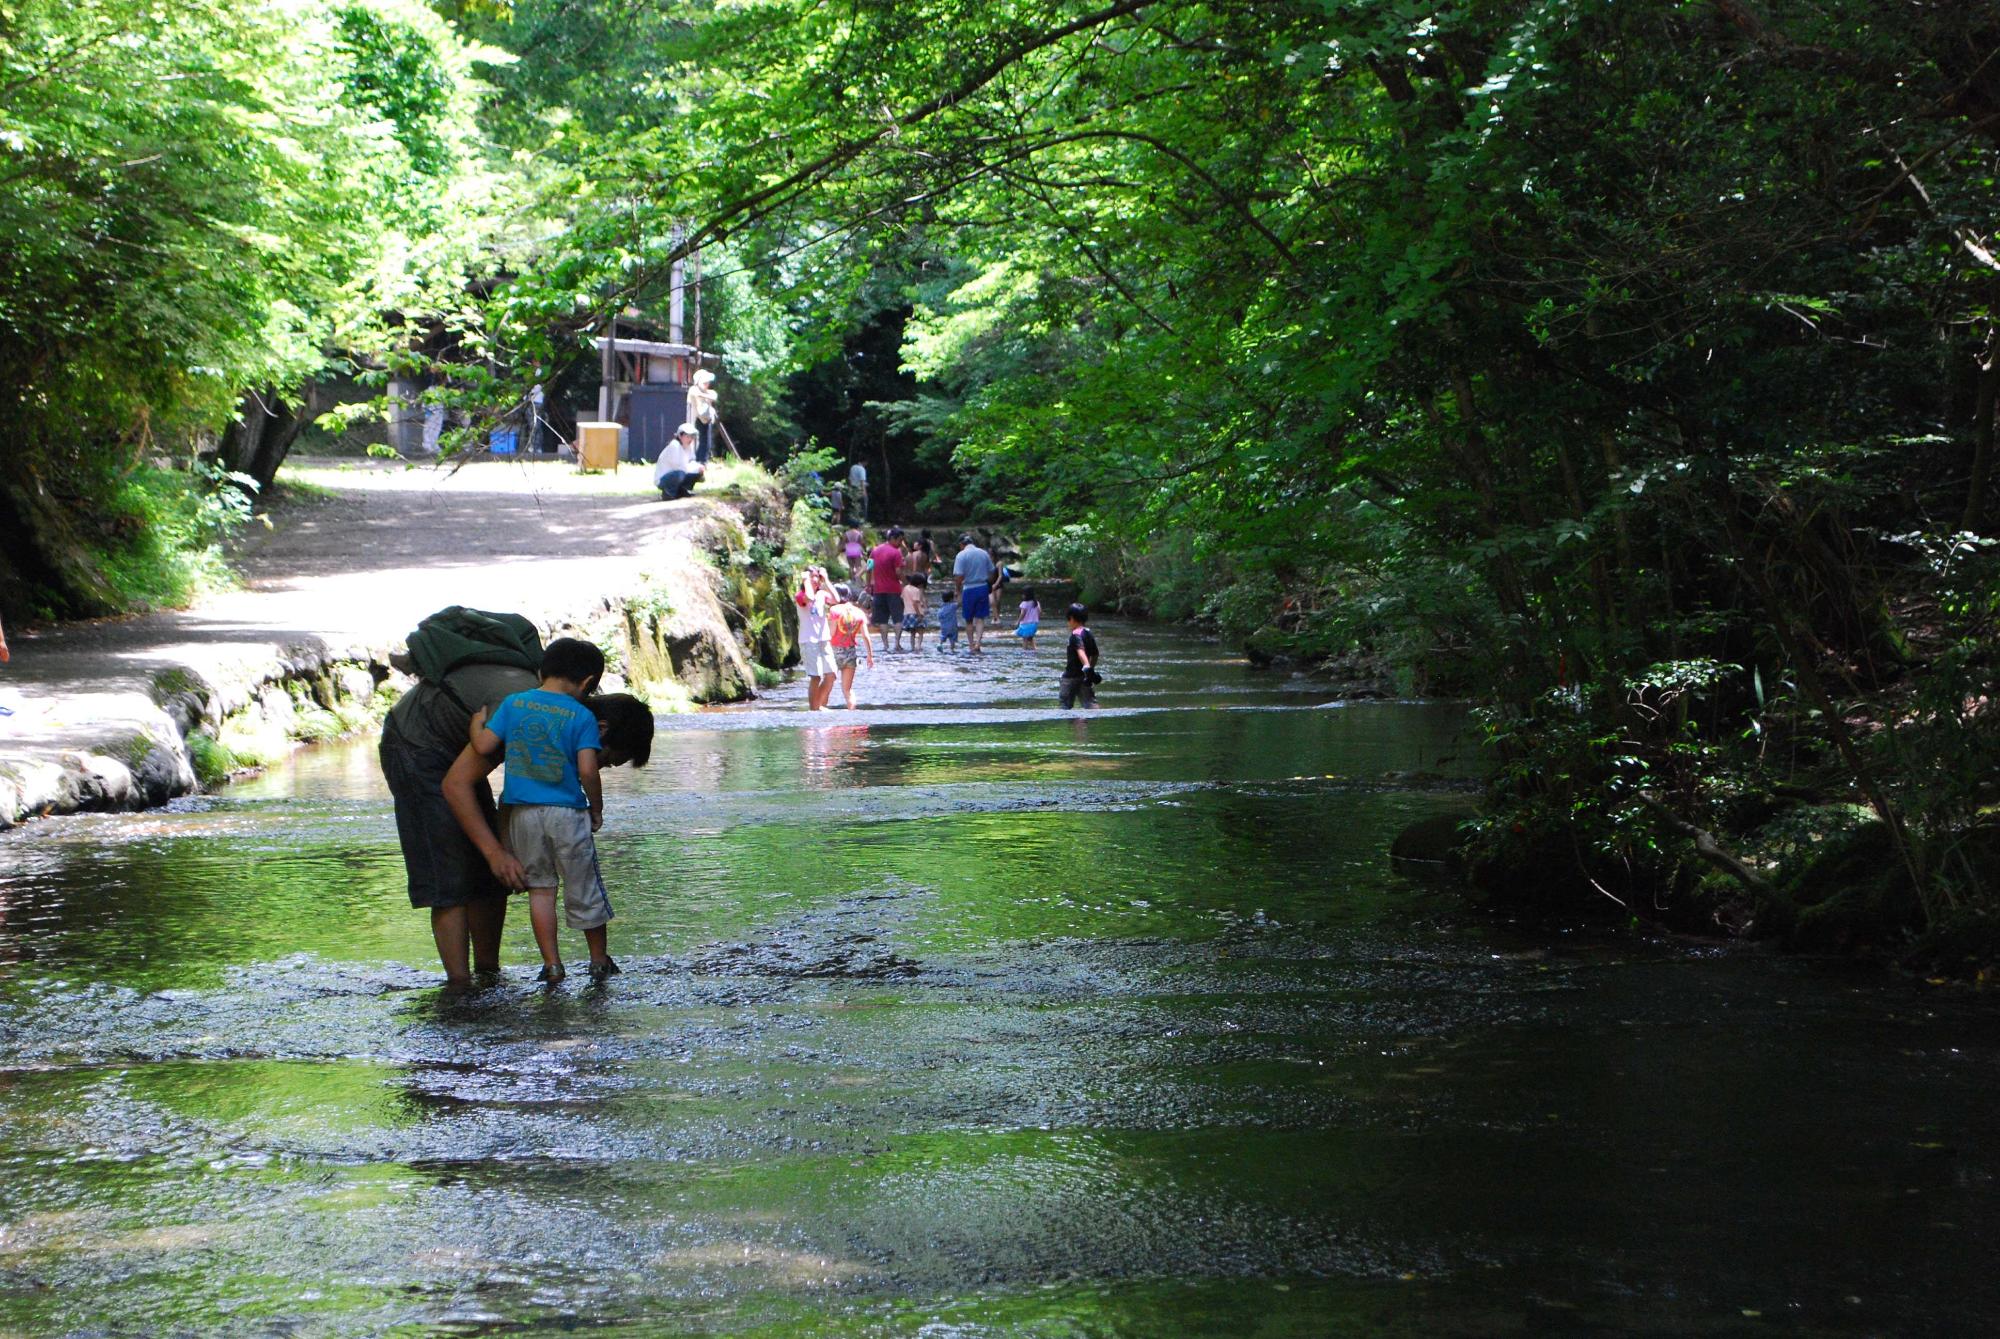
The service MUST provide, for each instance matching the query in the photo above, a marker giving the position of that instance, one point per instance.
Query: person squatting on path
(552, 802)
(1029, 619)
(676, 472)
(914, 582)
(815, 599)
(447, 864)
(1080, 677)
(849, 625)
(973, 571)
(886, 586)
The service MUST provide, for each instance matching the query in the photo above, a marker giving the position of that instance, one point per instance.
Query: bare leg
(847, 686)
(448, 928)
(542, 915)
(485, 919)
(599, 948)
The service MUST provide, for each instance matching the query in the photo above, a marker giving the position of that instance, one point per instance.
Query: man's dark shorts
(445, 869)
(976, 602)
(888, 611)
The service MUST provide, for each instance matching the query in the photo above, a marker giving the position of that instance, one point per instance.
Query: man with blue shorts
(973, 572)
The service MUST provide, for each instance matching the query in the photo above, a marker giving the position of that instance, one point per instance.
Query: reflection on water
(956, 1015)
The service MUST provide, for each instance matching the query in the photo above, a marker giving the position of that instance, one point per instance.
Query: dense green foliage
(1628, 367)
(1631, 368)
(202, 200)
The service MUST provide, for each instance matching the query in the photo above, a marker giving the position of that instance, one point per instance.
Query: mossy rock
(1437, 842)
(1854, 894)
(1269, 645)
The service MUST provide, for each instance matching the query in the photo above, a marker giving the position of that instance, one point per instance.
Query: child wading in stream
(1080, 677)
(947, 625)
(913, 608)
(1029, 620)
(849, 624)
(554, 800)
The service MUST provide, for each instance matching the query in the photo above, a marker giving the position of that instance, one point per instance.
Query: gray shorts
(815, 659)
(555, 846)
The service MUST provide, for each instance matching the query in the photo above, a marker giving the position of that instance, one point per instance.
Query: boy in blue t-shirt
(553, 800)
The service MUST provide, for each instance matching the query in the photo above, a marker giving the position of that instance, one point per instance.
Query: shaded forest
(1628, 369)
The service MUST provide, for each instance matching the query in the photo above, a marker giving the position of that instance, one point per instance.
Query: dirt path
(352, 561)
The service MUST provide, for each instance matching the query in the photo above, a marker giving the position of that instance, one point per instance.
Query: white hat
(704, 376)
(687, 428)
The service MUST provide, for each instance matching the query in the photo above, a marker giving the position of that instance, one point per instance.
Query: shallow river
(958, 1017)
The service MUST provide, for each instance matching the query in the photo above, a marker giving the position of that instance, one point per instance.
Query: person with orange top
(849, 638)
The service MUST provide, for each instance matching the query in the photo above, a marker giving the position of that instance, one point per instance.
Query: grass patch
(163, 537)
(735, 476)
(213, 762)
(667, 697)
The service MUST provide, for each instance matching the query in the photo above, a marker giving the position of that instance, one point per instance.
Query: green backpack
(460, 636)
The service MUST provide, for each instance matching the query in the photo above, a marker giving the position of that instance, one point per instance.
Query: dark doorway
(655, 412)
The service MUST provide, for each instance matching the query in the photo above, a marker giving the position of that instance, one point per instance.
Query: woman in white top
(675, 471)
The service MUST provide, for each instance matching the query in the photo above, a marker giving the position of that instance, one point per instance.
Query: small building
(645, 388)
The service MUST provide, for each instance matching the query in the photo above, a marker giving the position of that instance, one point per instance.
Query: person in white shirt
(815, 597)
(675, 472)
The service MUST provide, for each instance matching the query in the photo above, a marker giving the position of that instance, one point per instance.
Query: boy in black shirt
(1080, 677)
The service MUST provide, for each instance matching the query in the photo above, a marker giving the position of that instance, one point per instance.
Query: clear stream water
(959, 1017)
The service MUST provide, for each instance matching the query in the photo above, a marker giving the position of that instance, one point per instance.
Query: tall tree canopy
(1630, 367)
(203, 200)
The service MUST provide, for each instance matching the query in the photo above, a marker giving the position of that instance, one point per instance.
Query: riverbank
(130, 713)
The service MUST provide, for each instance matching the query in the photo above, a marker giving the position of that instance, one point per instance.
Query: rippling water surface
(956, 1016)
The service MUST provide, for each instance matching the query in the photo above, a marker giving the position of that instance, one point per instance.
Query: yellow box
(597, 445)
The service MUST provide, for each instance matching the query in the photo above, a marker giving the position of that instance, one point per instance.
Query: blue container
(503, 441)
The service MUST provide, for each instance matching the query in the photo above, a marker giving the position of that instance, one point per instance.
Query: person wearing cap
(675, 472)
(701, 399)
(972, 572)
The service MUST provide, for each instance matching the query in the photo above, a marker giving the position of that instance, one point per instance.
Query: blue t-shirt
(542, 732)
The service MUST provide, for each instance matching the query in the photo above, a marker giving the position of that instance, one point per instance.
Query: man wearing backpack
(466, 661)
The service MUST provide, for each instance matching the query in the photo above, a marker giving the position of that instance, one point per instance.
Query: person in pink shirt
(886, 585)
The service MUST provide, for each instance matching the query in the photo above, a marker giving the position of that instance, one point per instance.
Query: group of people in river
(834, 627)
(488, 692)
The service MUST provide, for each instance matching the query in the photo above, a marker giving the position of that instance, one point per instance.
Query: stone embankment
(131, 713)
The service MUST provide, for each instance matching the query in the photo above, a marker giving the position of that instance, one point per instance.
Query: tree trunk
(1984, 404)
(265, 429)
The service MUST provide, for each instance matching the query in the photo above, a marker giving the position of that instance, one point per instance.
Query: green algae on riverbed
(956, 1016)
